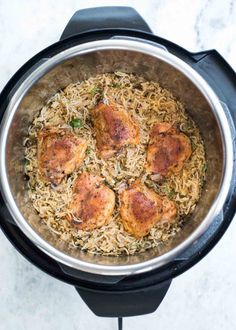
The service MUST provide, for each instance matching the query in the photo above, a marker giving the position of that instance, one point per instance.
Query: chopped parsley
(194, 146)
(169, 192)
(204, 167)
(76, 123)
(116, 85)
(96, 90)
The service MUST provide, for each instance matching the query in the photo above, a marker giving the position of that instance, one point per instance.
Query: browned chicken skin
(93, 202)
(141, 208)
(114, 129)
(168, 150)
(60, 152)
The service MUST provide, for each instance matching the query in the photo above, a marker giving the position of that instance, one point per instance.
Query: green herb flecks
(194, 146)
(171, 193)
(107, 184)
(115, 85)
(204, 168)
(168, 192)
(76, 123)
(96, 91)
(189, 125)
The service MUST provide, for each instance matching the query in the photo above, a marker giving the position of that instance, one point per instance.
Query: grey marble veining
(202, 298)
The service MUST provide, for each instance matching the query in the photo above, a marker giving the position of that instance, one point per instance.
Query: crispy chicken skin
(114, 129)
(168, 150)
(93, 202)
(60, 152)
(141, 208)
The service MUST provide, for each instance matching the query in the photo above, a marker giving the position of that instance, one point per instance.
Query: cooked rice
(148, 103)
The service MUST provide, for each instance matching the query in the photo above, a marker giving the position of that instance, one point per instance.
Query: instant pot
(108, 39)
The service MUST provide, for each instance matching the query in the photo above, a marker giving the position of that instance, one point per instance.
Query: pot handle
(220, 76)
(110, 17)
(124, 303)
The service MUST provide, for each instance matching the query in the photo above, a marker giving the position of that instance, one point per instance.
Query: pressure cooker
(107, 39)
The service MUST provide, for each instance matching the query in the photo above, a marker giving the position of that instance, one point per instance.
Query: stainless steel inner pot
(78, 63)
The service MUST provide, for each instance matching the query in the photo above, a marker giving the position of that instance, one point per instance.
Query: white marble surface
(201, 299)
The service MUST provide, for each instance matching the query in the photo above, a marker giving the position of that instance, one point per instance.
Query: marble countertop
(204, 297)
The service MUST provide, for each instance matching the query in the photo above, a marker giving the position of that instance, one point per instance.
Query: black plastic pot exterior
(125, 296)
